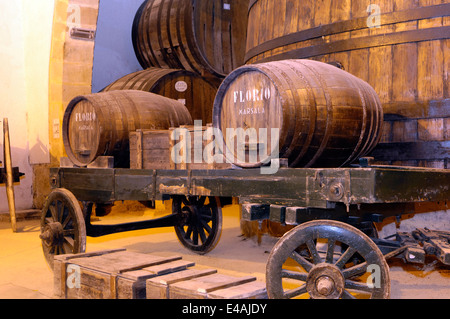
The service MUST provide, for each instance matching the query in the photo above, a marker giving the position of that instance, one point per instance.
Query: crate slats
(120, 274)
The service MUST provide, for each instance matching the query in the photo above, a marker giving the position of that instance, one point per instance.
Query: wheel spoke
(330, 251)
(313, 250)
(356, 270)
(69, 232)
(206, 217)
(59, 211)
(347, 295)
(66, 221)
(294, 275)
(295, 292)
(201, 232)
(357, 286)
(68, 241)
(345, 257)
(195, 237)
(53, 211)
(188, 232)
(301, 261)
(206, 227)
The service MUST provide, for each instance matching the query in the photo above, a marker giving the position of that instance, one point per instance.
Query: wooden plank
(159, 288)
(132, 284)
(120, 262)
(160, 270)
(9, 175)
(251, 290)
(199, 288)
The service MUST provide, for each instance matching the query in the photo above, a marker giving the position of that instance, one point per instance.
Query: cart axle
(103, 230)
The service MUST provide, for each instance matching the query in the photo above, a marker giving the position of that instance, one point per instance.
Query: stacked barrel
(401, 48)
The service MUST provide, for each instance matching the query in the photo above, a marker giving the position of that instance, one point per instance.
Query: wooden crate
(152, 149)
(113, 274)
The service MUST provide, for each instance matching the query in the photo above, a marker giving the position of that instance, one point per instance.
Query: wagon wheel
(327, 260)
(200, 223)
(63, 229)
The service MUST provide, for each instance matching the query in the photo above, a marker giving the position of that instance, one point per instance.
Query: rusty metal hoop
(348, 261)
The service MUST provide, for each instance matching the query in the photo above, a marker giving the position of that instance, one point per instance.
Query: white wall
(25, 39)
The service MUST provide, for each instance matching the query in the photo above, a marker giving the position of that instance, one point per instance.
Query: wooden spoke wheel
(327, 260)
(63, 229)
(200, 222)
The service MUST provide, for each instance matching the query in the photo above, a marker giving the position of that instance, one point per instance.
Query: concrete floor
(24, 273)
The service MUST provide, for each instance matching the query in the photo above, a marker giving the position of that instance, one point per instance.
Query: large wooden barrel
(326, 117)
(401, 48)
(99, 124)
(203, 36)
(194, 91)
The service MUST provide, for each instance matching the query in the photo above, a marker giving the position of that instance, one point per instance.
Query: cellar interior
(338, 80)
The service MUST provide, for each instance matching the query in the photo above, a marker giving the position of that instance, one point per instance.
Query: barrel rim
(65, 129)
(216, 110)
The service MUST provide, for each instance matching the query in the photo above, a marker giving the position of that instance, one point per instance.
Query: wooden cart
(333, 251)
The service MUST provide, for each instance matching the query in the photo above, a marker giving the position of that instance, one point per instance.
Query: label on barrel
(181, 86)
(252, 95)
(85, 118)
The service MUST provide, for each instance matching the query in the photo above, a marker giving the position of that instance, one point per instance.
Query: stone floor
(24, 273)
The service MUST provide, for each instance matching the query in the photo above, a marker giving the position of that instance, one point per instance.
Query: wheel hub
(325, 281)
(52, 234)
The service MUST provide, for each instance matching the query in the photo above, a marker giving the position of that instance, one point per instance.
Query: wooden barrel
(326, 117)
(99, 124)
(203, 36)
(401, 48)
(195, 92)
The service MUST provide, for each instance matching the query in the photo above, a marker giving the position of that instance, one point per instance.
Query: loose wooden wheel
(327, 260)
(63, 229)
(200, 223)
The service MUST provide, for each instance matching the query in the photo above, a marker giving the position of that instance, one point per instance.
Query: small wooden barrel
(99, 124)
(401, 48)
(203, 36)
(326, 117)
(195, 92)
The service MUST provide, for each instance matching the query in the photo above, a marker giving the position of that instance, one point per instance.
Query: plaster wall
(25, 37)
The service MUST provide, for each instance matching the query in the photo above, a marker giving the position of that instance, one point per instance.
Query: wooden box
(154, 149)
(150, 150)
(116, 274)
